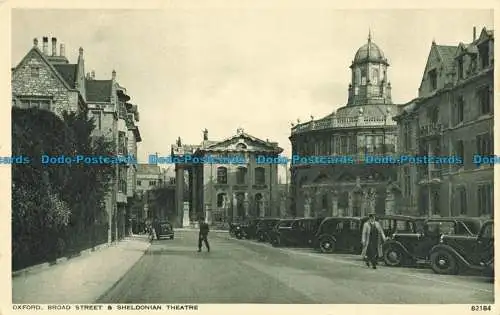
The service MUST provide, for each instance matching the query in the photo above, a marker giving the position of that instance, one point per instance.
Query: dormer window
(484, 53)
(473, 63)
(460, 68)
(433, 79)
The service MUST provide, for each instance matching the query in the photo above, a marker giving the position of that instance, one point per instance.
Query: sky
(225, 68)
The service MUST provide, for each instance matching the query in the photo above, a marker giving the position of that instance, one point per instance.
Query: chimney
(45, 47)
(54, 46)
(62, 51)
(474, 33)
(113, 75)
(92, 75)
(35, 42)
(80, 53)
(87, 76)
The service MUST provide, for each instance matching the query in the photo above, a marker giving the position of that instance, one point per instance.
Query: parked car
(410, 248)
(301, 232)
(273, 234)
(164, 229)
(264, 227)
(456, 253)
(344, 233)
(247, 229)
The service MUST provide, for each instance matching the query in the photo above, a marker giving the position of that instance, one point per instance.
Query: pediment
(243, 142)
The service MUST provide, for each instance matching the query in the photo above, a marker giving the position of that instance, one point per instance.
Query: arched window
(221, 200)
(258, 205)
(375, 76)
(221, 175)
(358, 76)
(324, 202)
(363, 76)
(260, 176)
(241, 146)
(241, 175)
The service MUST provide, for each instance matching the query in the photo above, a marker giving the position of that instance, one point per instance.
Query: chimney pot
(62, 51)
(92, 75)
(474, 33)
(113, 75)
(54, 46)
(45, 46)
(35, 42)
(80, 52)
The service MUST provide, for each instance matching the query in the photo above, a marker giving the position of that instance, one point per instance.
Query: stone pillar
(179, 194)
(185, 218)
(245, 204)
(234, 206)
(194, 193)
(389, 202)
(372, 200)
(349, 211)
(208, 214)
(307, 204)
(335, 209)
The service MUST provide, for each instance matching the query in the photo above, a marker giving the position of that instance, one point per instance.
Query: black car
(301, 232)
(410, 248)
(273, 234)
(264, 227)
(344, 233)
(164, 229)
(456, 253)
(246, 229)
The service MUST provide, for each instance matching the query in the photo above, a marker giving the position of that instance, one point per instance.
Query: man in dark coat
(203, 236)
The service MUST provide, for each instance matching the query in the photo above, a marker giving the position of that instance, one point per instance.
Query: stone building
(224, 192)
(134, 137)
(452, 116)
(47, 80)
(364, 127)
(108, 102)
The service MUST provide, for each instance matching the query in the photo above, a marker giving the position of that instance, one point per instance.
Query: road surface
(242, 271)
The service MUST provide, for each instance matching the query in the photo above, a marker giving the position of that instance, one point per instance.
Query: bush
(54, 207)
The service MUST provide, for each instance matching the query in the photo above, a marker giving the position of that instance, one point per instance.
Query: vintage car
(246, 229)
(344, 233)
(264, 227)
(273, 234)
(411, 248)
(458, 253)
(301, 232)
(164, 229)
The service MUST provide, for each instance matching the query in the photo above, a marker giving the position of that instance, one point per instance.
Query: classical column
(372, 200)
(335, 209)
(234, 206)
(307, 204)
(389, 201)
(245, 204)
(351, 204)
(208, 214)
(179, 193)
(191, 213)
(194, 193)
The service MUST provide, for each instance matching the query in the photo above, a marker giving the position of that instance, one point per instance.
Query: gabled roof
(68, 72)
(58, 75)
(98, 90)
(271, 146)
(148, 169)
(447, 55)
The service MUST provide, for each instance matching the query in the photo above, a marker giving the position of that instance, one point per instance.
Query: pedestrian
(203, 236)
(372, 239)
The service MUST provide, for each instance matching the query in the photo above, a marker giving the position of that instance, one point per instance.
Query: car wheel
(327, 244)
(238, 235)
(276, 241)
(393, 256)
(444, 263)
(261, 237)
(172, 237)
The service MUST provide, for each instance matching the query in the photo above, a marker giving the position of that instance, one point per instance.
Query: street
(243, 271)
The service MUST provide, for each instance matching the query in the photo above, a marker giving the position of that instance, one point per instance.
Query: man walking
(372, 239)
(203, 236)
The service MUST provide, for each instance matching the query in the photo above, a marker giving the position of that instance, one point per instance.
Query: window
(96, 116)
(220, 200)
(369, 144)
(461, 199)
(460, 150)
(241, 146)
(378, 144)
(484, 54)
(407, 181)
(139, 183)
(484, 144)
(222, 175)
(35, 103)
(260, 176)
(433, 79)
(324, 202)
(122, 143)
(152, 183)
(353, 145)
(375, 76)
(459, 110)
(460, 69)
(241, 176)
(35, 71)
(484, 100)
(433, 114)
(363, 76)
(473, 63)
(343, 201)
(485, 199)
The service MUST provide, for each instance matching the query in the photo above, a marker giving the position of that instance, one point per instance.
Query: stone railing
(344, 122)
(432, 129)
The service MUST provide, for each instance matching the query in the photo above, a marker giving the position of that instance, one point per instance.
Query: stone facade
(223, 192)
(362, 129)
(39, 81)
(453, 116)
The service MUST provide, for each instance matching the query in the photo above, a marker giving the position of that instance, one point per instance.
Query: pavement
(243, 271)
(82, 279)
